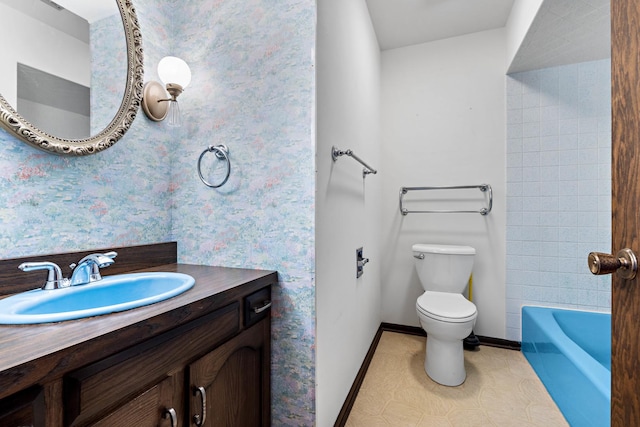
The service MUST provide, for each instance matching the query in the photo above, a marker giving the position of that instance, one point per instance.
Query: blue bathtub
(570, 351)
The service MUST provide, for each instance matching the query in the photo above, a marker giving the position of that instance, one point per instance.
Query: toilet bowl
(447, 319)
(445, 314)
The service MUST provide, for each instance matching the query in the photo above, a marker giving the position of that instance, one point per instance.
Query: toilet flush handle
(421, 256)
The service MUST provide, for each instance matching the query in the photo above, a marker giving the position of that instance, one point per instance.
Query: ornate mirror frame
(17, 125)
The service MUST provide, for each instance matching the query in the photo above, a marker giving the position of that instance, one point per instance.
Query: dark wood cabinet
(23, 409)
(145, 384)
(94, 390)
(151, 408)
(228, 385)
(152, 366)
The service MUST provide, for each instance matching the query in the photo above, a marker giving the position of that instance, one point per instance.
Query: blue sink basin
(111, 294)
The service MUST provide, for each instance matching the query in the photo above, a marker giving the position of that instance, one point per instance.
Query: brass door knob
(625, 263)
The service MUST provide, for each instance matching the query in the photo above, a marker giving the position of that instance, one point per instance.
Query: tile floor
(501, 390)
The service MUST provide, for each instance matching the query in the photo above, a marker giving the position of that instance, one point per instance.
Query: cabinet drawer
(95, 390)
(257, 306)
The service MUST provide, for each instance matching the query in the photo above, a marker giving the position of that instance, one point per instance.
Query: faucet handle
(55, 280)
(87, 270)
(100, 259)
(103, 260)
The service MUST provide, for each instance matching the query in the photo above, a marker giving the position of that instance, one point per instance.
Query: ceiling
(566, 32)
(90, 10)
(69, 16)
(563, 31)
(400, 23)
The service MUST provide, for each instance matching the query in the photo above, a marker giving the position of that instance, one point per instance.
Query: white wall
(35, 44)
(443, 123)
(348, 208)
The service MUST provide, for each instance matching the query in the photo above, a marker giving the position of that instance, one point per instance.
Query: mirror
(27, 83)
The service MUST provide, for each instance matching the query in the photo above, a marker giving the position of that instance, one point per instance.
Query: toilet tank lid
(443, 249)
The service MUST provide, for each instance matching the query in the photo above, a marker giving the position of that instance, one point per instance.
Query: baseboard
(484, 340)
(403, 329)
(357, 383)
(499, 342)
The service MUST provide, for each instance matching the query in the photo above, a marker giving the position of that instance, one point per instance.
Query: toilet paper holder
(360, 262)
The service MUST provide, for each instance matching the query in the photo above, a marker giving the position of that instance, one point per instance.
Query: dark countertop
(31, 353)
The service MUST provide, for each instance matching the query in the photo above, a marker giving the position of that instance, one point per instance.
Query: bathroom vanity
(201, 358)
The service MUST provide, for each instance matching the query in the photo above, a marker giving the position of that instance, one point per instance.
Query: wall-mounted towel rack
(222, 152)
(482, 187)
(335, 153)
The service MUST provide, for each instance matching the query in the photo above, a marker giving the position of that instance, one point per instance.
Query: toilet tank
(443, 268)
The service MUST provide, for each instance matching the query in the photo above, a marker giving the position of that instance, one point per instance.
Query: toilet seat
(443, 249)
(446, 307)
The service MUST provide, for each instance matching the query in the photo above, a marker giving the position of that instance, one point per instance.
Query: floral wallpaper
(253, 90)
(117, 197)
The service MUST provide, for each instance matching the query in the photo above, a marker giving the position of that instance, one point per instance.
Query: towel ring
(222, 152)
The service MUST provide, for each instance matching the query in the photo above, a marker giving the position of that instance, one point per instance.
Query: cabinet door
(95, 390)
(23, 409)
(149, 409)
(230, 386)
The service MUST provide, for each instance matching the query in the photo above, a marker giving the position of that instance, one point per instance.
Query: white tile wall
(558, 187)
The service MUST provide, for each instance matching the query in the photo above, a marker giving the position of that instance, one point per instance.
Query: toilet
(444, 313)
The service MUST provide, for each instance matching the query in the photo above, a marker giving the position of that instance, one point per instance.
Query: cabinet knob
(199, 419)
(171, 414)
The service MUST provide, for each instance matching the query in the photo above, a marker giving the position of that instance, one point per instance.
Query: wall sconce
(176, 76)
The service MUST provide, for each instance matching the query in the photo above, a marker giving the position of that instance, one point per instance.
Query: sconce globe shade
(174, 70)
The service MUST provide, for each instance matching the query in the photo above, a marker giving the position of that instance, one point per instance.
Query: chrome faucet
(54, 275)
(88, 268)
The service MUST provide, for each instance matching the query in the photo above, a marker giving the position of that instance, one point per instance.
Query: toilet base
(444, 361)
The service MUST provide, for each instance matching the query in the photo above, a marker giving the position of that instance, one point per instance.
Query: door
(155, 407)
(625, 300)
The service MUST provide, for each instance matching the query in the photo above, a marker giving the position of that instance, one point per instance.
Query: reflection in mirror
(70, 81)
(59, 106)
(55, 95)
